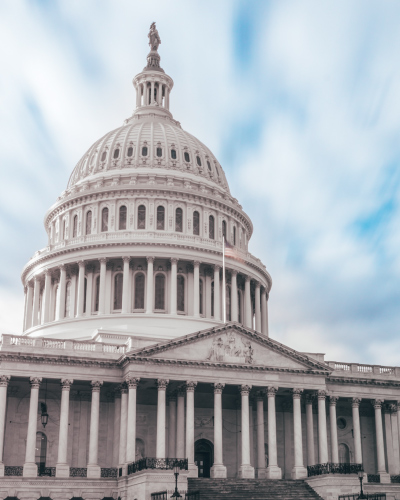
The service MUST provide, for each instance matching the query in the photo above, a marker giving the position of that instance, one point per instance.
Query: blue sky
(299, 101)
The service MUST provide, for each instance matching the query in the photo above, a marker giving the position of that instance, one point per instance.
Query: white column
(380, 449)
(62, 467)
(245, 470)
(166, 97)
(395, 439)
(273, 471)
(126, 285)
(131, 426)
(172, 426)
(355, 405)
(117, 425)
(60, 312)
(4, 380)
(217, 297)
(73, 293)
(310, 429)
(36, 297)
(322, 434)
(257, 300)
(30, 467)
(299, 471)
(89, 290)
(190, 387)
(247, 304)
(102, 291)
(162, 387)
(29, 307)
(264, 312)
(46, 296)
(123, 428)
(180, 425)
(149, 287)
(93, 468)
(152, 93)
(218, 469)
(333, 427)
(81, 288)
(261, 470)
(196, 289)
(173, 305)
(234, 296)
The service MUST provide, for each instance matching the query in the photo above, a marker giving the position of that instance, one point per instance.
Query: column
(132, 384)
(395, 436)
(247, 304)
(46, 296)
(29, 306)
(152, 93)
(62, 467)
(60, 306)
(145, 94)
(166, 97)
(89, 290)
(217, 290)
(332, 419)
(273, 471)
(81, 288)
(190, 387)
(117, 425)
(180, 425)
(126, 285)
(387, 412)
(218, 469)
(4, 380)
(310, 429)
(355, 405)
(123, 428)
(73, 273)
(30, 467)
(172, 426)
(196, 289)
(149, 285)
(245, 470)
(299, 471)
(261, 470)
(36, 298)
(257, 300)
(264, 312)
(322, 434)
(162, 387)
(234, 296)
(380, 449)
(174, 264)
(93, 468)
(102, 291)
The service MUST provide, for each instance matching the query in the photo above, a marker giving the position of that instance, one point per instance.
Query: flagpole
(223, 280)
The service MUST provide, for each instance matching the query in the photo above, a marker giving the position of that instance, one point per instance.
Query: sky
(298, 100)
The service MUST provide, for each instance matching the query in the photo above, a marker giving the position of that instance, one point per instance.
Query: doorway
(204, 456)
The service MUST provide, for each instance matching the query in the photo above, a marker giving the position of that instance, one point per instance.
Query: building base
(246, 472)
(124, 468)
(193, 470)
(1, 469)
(30, 470)
(274, 472)
(62, 470)
(93, 471)
(385, 477)
(261, 473)
(218, 471)
(299, 472)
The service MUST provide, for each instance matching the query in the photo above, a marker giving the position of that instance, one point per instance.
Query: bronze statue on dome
(154, 37)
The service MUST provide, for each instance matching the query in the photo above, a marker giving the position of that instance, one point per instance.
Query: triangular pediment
(230, 345)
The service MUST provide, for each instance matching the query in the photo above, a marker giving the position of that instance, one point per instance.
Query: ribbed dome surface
(148, 142)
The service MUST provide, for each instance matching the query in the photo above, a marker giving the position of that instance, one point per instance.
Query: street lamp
(176, 493)
(361, 477)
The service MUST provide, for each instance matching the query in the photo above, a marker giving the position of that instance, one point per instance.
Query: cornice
(58, 360)
(363, 381)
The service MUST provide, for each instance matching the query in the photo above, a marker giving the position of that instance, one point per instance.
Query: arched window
(344, 453)
(122, 217)
(234, 235)
(144, 151)
(228, 302)
(224, 230)
(178, 220)
(186, 156)
(198, 160)
(212, 299)
(116, 153)
(196, 223)
(141, 217)
(104, 220)
(118, 281)
(75, 227)
(201, 297)
(97, 294)
(216, 169)
(209, 166)
(173, 154)
(89, 222)
(180, 293)
(211, 233)
(239, 301)
(84, 294)
(41, 451)
(130, 151)
(161, 217)
(159, 152)
(104, 156)
(139, 291)
(67, 299)
(159, 296)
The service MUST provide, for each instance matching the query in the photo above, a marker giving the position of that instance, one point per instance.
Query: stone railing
(109, 472)
(77, 472)
(13, 470)
(331, 468)
(157, 463)
(364, 369)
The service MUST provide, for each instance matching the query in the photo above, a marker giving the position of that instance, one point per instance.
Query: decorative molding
(333, 400)
(132, 382)
(297, 392)
(321, 394)
(377, 403)
(244, 390)
(218, 387)
(4, 380)
(96, 385)
(190, 386)
(162, 384)
(271, 391)
(66, 384)
(35, 382)
(355, 402)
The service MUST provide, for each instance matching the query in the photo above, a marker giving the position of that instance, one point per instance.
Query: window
(130, 151)
(216, 169)
(198, 160)
(341, 423)
(75, 227)
(178, 220)
(104, 156)
(123, 211)
(209, 166)
(161, 218)
(344, 454)
(159, 302)
(84, 294)
(116, 153)
(224, 230)
(118, 282)
(88, 222)
(97, 294)
(141, 217)
(212, 299)
(104, 220)
(144, 151)
(228, 302)
(186, 156)
(201, 297)
(239, 307)
(159, 152)
(173, 154)
(67, 299)
(41, 450)
(139, 291)
(196, 223)
(211, 233)
(180, 294)
(234, 235)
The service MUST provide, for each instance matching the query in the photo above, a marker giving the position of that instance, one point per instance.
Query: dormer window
(144, 151)
(130, 151)
(159, 152)
(104, 156)
(173, 154)
(186, 156)
(198, 160)
(116, 153)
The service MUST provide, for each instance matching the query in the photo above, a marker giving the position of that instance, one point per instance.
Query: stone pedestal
(193, 470)
(30, 470)
(274, 472)
(385, 477)
(93, 471)
(246, 472)
(218, 471)
(299, 472)
(1, 470)
(261, 473)
(62, 470)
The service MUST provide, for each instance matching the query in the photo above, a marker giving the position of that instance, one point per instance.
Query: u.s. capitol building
(139, 353)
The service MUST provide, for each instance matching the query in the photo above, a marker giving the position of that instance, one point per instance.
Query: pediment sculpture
(229, 348)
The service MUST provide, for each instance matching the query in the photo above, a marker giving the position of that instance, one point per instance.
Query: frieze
(229, 348)
(204, 422)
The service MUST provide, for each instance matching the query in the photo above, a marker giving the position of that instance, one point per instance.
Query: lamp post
(176, 493)
(361, 477)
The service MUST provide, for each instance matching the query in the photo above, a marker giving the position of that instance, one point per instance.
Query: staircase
(251, 489)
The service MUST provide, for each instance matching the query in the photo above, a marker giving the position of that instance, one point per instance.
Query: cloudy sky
(299, 101)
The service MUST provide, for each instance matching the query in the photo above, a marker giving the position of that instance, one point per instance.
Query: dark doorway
(204, 456)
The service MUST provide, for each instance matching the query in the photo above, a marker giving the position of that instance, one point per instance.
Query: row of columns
(143, 89)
